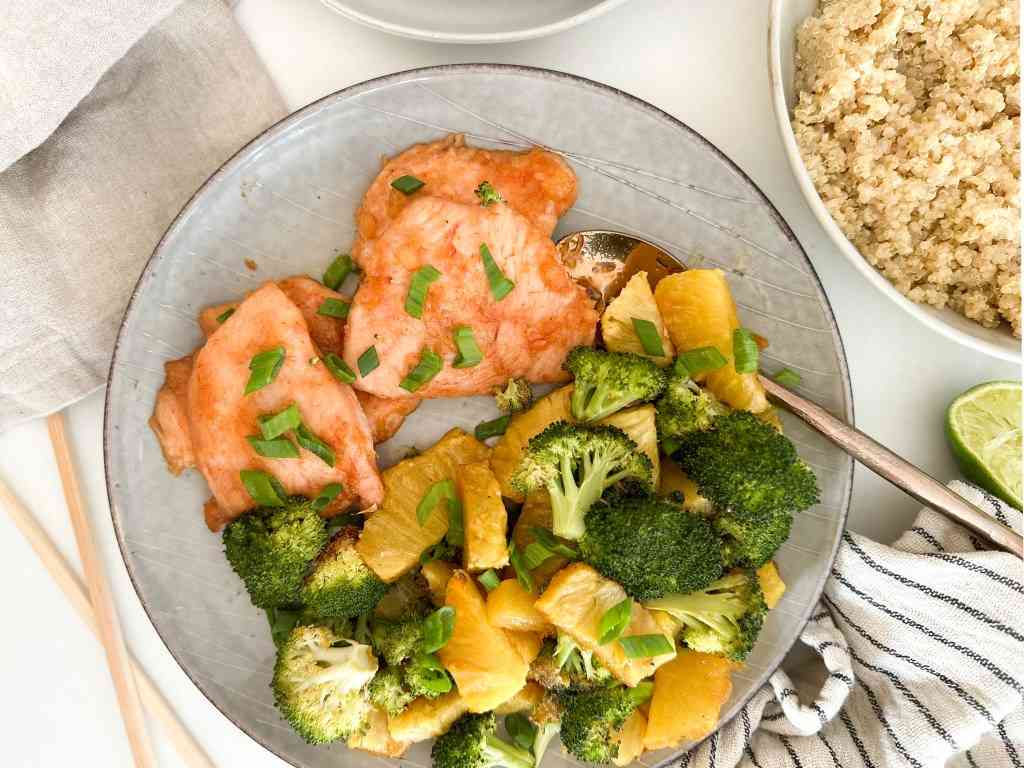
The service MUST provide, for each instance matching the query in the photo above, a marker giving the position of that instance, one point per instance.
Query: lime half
(983, 427)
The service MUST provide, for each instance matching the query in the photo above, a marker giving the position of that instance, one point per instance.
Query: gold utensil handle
(897, 471)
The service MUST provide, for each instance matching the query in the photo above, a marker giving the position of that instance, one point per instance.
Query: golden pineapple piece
(392, 539)
(483, 517)
(486, 666)
(577, 598)
(509, 606)
(426, 718)
(631, 739)
(529, 696)
(689, 692)
(536, 513)
(771, 583)
(639, 423)
(553, 407)
(377, 737)
(436, 573)
(674, 479)
(527, 644)
(699, 311)
(635, 300)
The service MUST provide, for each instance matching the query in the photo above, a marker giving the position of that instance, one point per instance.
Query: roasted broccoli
(515, 396)
(340, 584)
(683, 408)
(576, 464)
(591, 720)
(562, 665)
(650, 547)
(396, 641)
(606, 382)
(724, 618)
(388, 691)
(546, 718)
(318, 687)
(270, 548)
(754, 478)
(471, 743)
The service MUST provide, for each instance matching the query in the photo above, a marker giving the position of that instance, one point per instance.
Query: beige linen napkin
(81, 208)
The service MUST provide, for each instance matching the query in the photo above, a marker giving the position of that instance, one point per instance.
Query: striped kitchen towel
(921, 649)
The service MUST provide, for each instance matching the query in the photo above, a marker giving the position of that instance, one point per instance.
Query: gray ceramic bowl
(286, 201)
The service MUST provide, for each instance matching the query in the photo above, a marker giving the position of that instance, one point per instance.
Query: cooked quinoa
(909, 124)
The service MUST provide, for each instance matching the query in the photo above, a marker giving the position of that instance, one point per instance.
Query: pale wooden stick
(191, 753)
(109, 629)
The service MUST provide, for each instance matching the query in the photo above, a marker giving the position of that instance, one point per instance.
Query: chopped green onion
(407, 184)
(701, 360)
(487, 194)
(535, 554)
(456, 535)
(438, 628)
(437, 681)
(649, 337)
(520, 730)
(314, 444)
(518, 562)
(788, 378)
(490, 580)
(280, 448)
(553, 544)
(368, 361)
(339, 368)
(614, 621)
(280, 422)
(744, 351)
(443, 489)
(225, 314)
(327, 495)
(492, 428)
(645, 646)
(264, 368)
(469, 353)
(331, 307)
(417, 295)
(428, 367)
(501, 286)
(340, 268)
(263, 487)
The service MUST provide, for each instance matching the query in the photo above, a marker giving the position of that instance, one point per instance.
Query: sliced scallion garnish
(368, 361)
(407, 184)
(535, 554)
(518, 563)
(788, 378)
(701, 360)
(263, 487)
(456, 535)
(492, 428)
(490, 580)
(279, 448)
(428, 367)
(433, 676)
(339, 269)
(280, 422)
(469, 352)
(554, 544)
(264, 368)
(645, 646)
(438, 628)
(314, 444)
(443, 489)
(417, 295)
(614, 621)
(500, 285)
(332, 307)
(744, 351)
(225, 314)
(649, 337)
(487, 194)
(339, 368)
(327, 495)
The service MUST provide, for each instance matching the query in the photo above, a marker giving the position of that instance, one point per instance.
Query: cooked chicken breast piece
(221, 415)
(527, 333)
(386, 414)
(536, 183)
(169, 421)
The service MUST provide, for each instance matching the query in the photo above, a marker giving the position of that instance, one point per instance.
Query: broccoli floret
(683, 408)
(546, 718)
(576, 464)
(388, 691)
(591, 720)
(487, 194)
(606, 382)
(471, 743)
(564, 666)
(340, 584)
(270, 548)
(396, 641)
(318, 685)
(724, 618)
(754, 478)
(515, 396)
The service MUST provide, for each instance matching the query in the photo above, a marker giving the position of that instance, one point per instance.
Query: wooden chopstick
(108, 627)
(191, 753)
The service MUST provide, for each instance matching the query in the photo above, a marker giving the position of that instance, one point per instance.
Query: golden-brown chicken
(169, 421)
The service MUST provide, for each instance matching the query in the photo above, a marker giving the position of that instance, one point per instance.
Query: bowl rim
(471, 38)
(821, 213)
(295, 118)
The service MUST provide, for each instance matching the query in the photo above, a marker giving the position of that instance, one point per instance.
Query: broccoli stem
(501, 753)
(571, 500)
(545, 733)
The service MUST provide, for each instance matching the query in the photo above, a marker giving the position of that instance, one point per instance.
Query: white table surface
(703, 61)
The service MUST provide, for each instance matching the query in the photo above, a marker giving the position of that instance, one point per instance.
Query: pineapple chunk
(536, 513)
(392, 539)
(634, 300)
(426, 718)
(486, 666)
(436, 573)
(674, 479)
(527, 644)
(771, 584)
(631, 739)
(689, 692)
(698, 309)
(377, 737)
(639, 424)
(509, 606)
(577, 598)
(484, 518)
(529, 696)
(553, 407)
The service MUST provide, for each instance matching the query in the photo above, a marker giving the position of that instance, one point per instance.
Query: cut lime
(983, 427)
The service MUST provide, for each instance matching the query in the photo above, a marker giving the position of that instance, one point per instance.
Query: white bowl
(470, 21)
(784, 18)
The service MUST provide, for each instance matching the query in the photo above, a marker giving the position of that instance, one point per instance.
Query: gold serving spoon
(603, 261)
